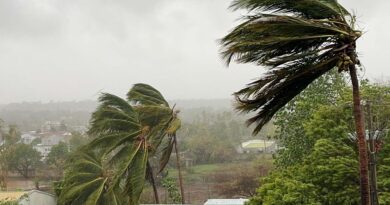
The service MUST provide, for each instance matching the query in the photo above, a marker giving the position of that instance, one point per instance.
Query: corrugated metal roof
(225, 201)
(11, 195)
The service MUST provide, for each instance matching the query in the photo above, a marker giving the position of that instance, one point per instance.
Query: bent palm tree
(298, 41)
(147, 98)
(128, 133)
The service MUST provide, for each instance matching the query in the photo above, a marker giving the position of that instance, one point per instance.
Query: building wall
(38, 198)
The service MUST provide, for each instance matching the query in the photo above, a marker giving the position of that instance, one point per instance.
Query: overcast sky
(73, 49)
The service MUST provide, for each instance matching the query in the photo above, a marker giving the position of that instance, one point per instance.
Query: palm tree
(146, 98)
(171, 143)
(88, 181)
(129, 132)
(298, 41)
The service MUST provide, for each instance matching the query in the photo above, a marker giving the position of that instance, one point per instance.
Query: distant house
(36, 197)
(27, 138)
(225, 201)
(258, 146)
(54, 138)
(43, 149)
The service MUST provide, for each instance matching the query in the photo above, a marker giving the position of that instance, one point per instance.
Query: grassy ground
(197, 173)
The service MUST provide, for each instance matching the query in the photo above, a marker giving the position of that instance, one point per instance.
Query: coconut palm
(145, 97)
(298, 41)
(88, 181)
(129, 132)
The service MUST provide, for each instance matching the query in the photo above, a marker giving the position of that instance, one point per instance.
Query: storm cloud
(74, 49)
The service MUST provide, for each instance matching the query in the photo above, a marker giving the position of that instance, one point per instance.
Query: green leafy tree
(280, 188)
(291, 118)
(329, 175)
(22, 158)
(13, 135)
(299, 41)
(57, 157)
(333, 170)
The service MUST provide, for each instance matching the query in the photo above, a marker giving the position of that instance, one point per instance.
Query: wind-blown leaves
(86, 181)
(297, 41)
(316, 9)
(166, 152)
(127, 133)
(145, 94)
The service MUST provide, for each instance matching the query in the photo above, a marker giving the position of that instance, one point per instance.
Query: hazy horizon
(54, 50)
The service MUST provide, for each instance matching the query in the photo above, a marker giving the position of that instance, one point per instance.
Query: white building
(27, 138)
(43, 149)
(226, 201)
(54, 138)
(258, 146)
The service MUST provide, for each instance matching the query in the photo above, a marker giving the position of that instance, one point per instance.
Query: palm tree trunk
(156, 198)
(360, 132)
(179, 170)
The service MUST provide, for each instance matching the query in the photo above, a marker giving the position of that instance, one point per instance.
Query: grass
(197, 173)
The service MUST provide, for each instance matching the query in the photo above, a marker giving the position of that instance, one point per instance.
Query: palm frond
(317, 9)
(85, 180)
(146, 95)
(166, 153)
(135, 180)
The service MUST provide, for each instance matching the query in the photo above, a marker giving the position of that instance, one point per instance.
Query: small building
(54, 138)
(258, 146)
(27, 138)
(225, 201)
(43, 149)
(36, 197)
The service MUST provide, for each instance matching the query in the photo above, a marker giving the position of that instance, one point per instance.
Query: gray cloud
(67, 50)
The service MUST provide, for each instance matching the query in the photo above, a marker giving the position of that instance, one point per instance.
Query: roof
(16, 195)
(226, 201)
(257, 144)
(40, 192)
(11, 195)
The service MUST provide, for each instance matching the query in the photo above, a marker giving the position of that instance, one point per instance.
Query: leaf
(166, 153)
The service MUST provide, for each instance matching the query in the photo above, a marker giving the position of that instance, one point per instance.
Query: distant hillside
(31, 115)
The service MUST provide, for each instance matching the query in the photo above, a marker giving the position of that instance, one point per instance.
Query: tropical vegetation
(298, 41)
(128, 133)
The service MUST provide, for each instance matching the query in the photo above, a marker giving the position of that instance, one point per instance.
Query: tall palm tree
(88, 181)
(298, 41)
(129, 132)
(146, 99)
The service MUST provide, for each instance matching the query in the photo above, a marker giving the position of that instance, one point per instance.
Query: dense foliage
(327, 166)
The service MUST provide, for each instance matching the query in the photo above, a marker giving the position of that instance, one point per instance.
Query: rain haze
(72, 50)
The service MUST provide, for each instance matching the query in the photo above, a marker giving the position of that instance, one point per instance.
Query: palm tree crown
(297, 41)
(128, 132)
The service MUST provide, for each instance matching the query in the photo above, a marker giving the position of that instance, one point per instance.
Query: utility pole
(372, 157)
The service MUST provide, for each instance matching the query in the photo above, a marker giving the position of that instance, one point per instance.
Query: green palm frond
(166, 153)
(146, 95)
(113, 115)
(85, 181)
(297, 41)
(135, 180)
